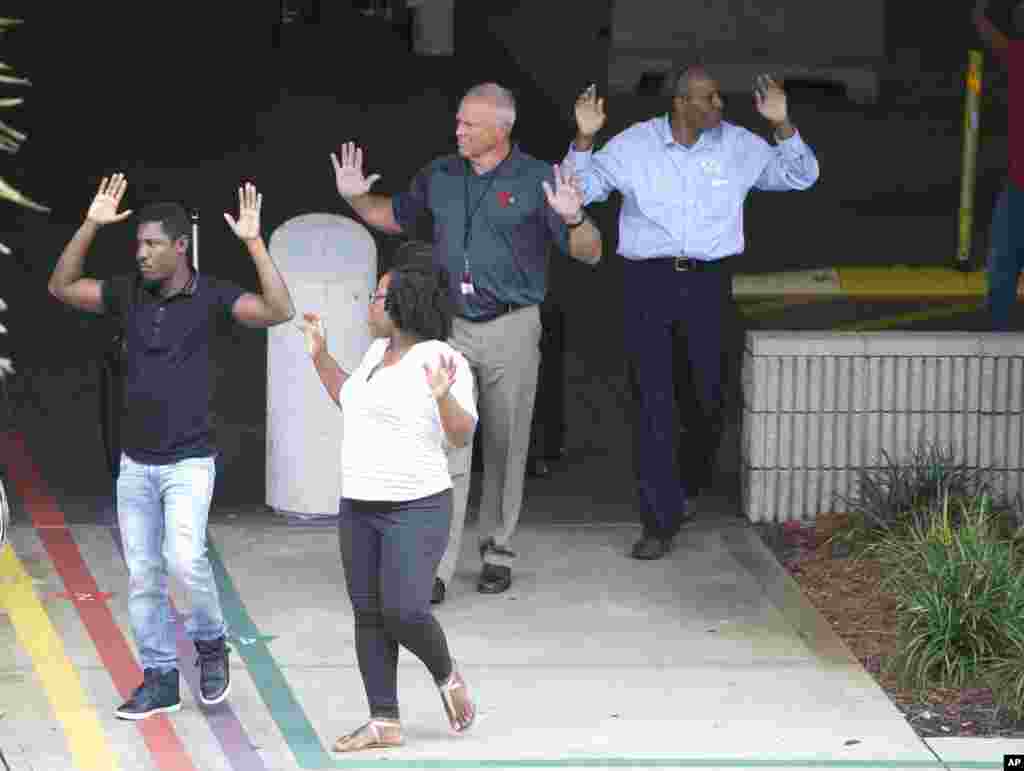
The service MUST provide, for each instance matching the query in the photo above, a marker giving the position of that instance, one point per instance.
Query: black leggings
(390, 551)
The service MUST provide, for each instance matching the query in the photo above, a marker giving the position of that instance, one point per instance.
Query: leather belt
(684, 264)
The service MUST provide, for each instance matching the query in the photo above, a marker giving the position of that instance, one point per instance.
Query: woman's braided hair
(419, 298)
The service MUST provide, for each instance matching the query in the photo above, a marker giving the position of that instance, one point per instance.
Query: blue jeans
(162, 512)
(1006, 258)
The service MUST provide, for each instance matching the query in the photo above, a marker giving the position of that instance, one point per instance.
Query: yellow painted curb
(898, 282)
(905, 281)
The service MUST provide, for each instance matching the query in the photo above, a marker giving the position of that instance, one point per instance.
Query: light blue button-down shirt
(679, 200)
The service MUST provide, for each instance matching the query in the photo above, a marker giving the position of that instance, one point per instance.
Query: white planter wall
(818, 406)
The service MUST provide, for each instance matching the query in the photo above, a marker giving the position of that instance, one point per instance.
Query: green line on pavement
(667, 763)
(284, 708)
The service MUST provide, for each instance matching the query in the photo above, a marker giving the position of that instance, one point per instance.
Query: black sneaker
(494, 579)
(158, 693)
(214, 674)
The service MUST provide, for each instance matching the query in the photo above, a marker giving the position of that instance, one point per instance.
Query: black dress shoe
(437, 594)
(651, 548)
(494, 579)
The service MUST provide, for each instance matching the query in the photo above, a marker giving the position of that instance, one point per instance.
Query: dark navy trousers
(662, 304)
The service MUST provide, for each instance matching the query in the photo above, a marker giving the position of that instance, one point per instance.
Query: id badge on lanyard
(466, 284)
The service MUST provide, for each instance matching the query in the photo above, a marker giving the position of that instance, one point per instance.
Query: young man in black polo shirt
(167, 469)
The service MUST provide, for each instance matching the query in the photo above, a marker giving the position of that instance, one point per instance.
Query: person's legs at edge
(1004, 262)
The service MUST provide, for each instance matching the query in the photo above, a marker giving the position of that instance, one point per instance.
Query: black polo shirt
(167, 368)
(511, 227)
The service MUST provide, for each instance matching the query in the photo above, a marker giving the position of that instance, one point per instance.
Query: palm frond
(12, 133)
(8, 193)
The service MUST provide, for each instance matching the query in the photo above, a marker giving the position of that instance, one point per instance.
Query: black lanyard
(470, 214)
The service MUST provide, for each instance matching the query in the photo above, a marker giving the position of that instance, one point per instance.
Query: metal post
(972, 106)
(195, 239)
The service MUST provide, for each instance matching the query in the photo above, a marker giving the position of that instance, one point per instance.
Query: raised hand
(348, 173)
(567, 198)
(770, 100)
(316, 337)
(590, 115)
(103, 209)
(440, 380)
(247, 226)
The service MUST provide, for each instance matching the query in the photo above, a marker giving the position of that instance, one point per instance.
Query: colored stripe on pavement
(270, 683)
(37, 635)
(223, 722)
(159, 735)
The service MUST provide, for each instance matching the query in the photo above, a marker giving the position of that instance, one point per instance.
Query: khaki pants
(504, 355)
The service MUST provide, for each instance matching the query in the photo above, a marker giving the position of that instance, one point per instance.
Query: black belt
(500, 310)
(684, 264)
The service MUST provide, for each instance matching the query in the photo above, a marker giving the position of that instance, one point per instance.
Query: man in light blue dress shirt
(683, 177)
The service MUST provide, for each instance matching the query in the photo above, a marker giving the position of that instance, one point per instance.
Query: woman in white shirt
(411, 393)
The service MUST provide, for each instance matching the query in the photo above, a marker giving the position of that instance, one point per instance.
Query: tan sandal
(369, 737)
(454, 683)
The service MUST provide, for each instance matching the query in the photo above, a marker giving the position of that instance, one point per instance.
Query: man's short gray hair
(501, 97)
(678, 83)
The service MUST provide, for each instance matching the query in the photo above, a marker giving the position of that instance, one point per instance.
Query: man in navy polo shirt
(168, 311)
(496, 212)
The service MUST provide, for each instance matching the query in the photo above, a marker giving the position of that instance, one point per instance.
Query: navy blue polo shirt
(511, 227)
(167, 368)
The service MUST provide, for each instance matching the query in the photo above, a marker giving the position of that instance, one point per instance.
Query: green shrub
(960, 595)
(890, 498)
(1005, 671)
